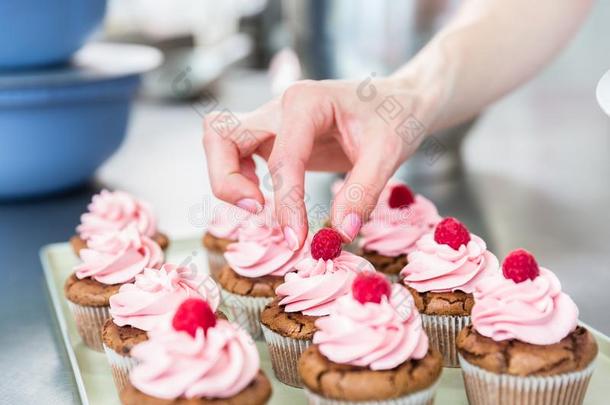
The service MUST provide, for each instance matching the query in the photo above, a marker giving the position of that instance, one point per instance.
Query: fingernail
(250, 205)
(291, 238)
(350, 226)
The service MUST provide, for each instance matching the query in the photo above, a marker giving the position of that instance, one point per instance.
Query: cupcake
(307, 294)
(256, 266)
(112, 211)
(222, 230)
(371, 349)
(442, 274)
(108, 261)
(394, 226)
(198, 359)
(139, 307)
(524, 345)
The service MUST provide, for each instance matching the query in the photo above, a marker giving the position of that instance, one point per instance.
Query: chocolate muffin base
(89, 303)
(350, 383)
(89, 292)
(253, 287)
(117, 343)
(213, 243)
(456, 303)
(288, 335)
(390, 266)
(122, 339)
(573, 353)
(78, 243)
(244, 298)
(257, 393)
(444, 314)
(294, 325)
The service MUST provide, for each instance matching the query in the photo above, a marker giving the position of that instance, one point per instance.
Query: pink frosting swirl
(117, 257)
(394, 231)
(533, 311)
(111, 211)
(316, 285)
(379, 336)
(156, 294)
(218, 364)
(226, 221)
(262, 250)
(440, 268)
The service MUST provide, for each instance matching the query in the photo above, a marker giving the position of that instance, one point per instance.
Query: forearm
(489, 48)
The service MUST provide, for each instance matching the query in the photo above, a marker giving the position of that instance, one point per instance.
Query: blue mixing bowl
(57, 127)
(44, 32)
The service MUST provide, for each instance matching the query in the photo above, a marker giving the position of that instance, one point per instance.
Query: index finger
(223, 157)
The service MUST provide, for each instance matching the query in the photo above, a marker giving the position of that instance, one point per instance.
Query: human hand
(367, 128)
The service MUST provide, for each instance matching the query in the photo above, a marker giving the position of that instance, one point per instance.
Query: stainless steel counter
(536, 174)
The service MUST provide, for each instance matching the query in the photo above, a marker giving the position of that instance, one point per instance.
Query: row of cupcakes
(372, 349)
(121, 292)
(439, 261)
(116, 240)
(308, 309)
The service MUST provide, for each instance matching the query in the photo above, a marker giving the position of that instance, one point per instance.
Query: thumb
(359, 194)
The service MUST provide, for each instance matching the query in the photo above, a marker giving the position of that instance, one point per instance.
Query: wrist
(430, 75)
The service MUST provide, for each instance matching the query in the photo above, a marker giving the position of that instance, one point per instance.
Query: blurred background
(112, 94)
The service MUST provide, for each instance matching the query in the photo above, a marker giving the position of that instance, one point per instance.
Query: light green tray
(94, 380)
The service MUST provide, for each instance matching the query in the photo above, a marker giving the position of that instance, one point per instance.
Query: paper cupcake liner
(216, 261)
(120, 367)
(484, 387)
(442, 331)
(423, 397)
(245, 311)
(89, 323)
(284, 353)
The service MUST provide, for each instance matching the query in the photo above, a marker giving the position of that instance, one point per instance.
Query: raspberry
(519, 265)
(370, 287)
(451, 232)
(401, 197)
(192, 314)
(326, 244)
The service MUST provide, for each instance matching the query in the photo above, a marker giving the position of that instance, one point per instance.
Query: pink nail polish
(350, 226)
(291, 238)
(250, 205)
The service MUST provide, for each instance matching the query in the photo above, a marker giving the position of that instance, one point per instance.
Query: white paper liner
(284, 353)
(442, 331)
(216, 261)
(89, 323)
(244, 311)
(484, 387)
(120, 367)
(423, 397)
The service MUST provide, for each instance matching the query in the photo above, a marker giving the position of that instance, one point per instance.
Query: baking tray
(94, 380)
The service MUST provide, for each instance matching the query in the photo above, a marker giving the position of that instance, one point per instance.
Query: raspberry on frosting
(451, 232)
(520, 265)
(371, 287)
(401, 196)
(326, 244)
(192, 314)
(398, 221)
